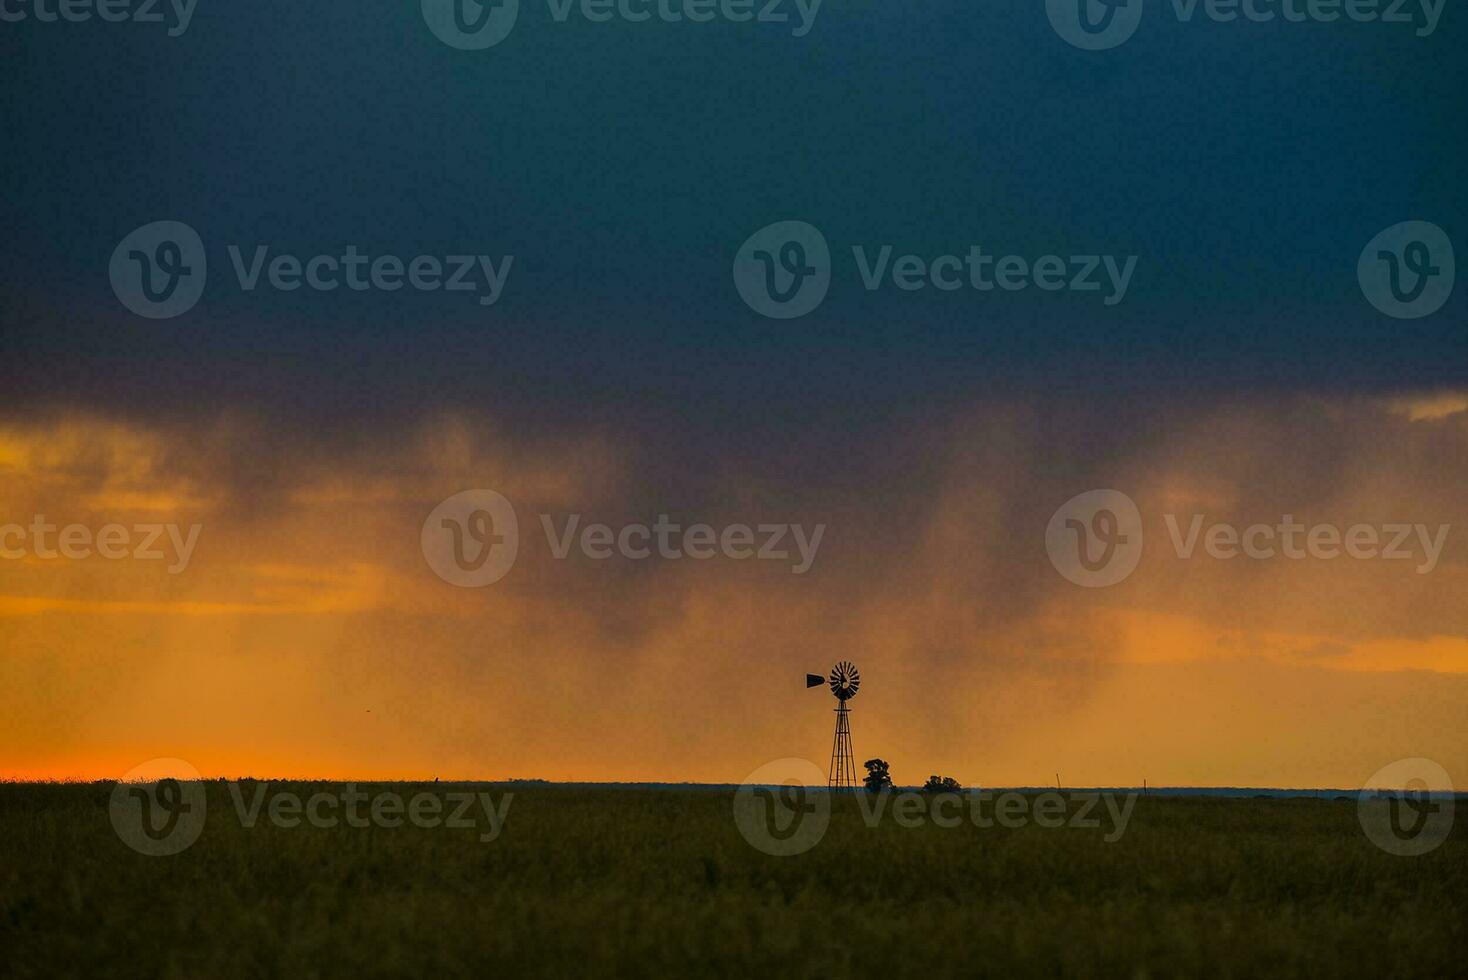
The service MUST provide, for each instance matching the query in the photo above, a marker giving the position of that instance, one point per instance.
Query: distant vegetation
(879, 777)
(946, 784)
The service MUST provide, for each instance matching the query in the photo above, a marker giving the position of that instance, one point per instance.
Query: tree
(879, 776)
(946, 784)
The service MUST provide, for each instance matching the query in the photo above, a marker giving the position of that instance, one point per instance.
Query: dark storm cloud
(623, 164)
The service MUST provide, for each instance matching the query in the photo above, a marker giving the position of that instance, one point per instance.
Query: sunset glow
(307, 638)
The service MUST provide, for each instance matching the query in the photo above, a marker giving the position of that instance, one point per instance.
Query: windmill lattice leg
(843, 762)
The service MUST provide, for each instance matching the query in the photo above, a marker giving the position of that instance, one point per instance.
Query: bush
(946, 784)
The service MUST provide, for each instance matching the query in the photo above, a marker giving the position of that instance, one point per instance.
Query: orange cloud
(308, 637)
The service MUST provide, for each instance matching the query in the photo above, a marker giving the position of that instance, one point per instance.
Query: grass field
(645, 882)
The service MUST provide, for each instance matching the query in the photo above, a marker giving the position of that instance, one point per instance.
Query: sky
(1242, 377)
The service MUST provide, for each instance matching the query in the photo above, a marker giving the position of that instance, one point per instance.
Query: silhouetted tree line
(879, 777)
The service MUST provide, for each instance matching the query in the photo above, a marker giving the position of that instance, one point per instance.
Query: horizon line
(653, 783)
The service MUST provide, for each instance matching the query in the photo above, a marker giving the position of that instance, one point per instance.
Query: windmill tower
(844, 681)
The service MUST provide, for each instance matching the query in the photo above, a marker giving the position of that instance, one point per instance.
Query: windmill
(844, 681)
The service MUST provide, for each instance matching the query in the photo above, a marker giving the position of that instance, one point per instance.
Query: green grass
(659, 883)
